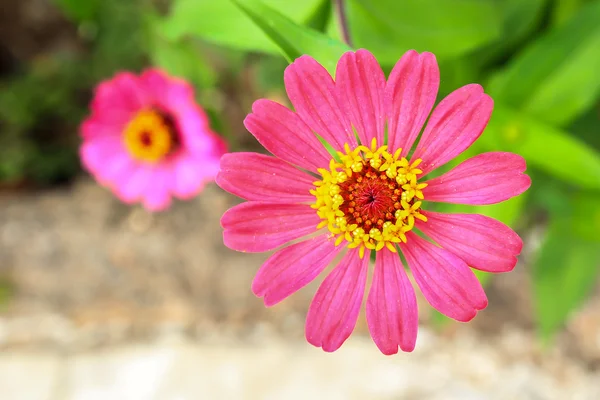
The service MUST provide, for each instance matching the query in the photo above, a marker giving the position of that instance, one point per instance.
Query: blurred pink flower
(148, 140)
(369, 196)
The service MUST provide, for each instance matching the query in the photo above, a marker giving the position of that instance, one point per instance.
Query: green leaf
(507, 212)
(520, 18)
(565, 9)
(448, 28)
(585, 220)
(79, 10)
(556, 78)
(220, 21)
(293, 40)
(182, 58)
(543, 146)
(319, 19)
(587, 127)
(563, 275)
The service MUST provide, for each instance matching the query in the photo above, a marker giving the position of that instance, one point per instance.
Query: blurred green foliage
(42, 102)
(539, 59)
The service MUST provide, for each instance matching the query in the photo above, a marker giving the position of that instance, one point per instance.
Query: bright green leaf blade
(543, 146)
(220, 21)
(556, 78)
(507, 212)
(563, 275)
(292, 39)
(448, 28)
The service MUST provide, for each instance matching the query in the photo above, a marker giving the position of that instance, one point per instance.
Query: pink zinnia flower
(148, 140)
(368, 197)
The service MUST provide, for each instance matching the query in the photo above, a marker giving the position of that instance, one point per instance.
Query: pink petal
(446, 281)
(334, 310)
(189, 174)
(254, 176)
(168, 92)
(359, 84)
(392, 306)
(130, 188)
(176, 96)
(105, 125)
(107, 160)
(95, 152)
(482, 242)
(124, 95)
(256, 227)
(157, 196)
(454, 125)
(284, 134)
(487, 178)
(195, 134)
(293, 267)
(312, 92)
(410, 94)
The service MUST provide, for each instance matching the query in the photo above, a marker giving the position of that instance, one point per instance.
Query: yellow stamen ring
(370, 198)
(150, 136)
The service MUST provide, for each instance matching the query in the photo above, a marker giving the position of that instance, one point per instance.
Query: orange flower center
(369, 197)
(150, 136)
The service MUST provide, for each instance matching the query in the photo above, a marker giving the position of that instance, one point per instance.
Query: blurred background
(99, 300)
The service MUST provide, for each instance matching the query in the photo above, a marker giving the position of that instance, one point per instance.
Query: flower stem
(343, 20)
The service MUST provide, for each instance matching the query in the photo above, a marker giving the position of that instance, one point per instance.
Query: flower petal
(293, 267)
(190, 174)
(312, 92)
(284, 134)
(482, 242)
(122, 96)
(105, 125)
(359, 84)
(410, 94)
(131, 187)
(168, 92)
(334, 310)
(256, 226)
(455, 124)
(254, 176)
(95, 153)
(195, 134)
(487, 178)
(392, 314)
(157, 196)
(446, 281)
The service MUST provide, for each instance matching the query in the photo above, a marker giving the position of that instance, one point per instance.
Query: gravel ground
(109, 301)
